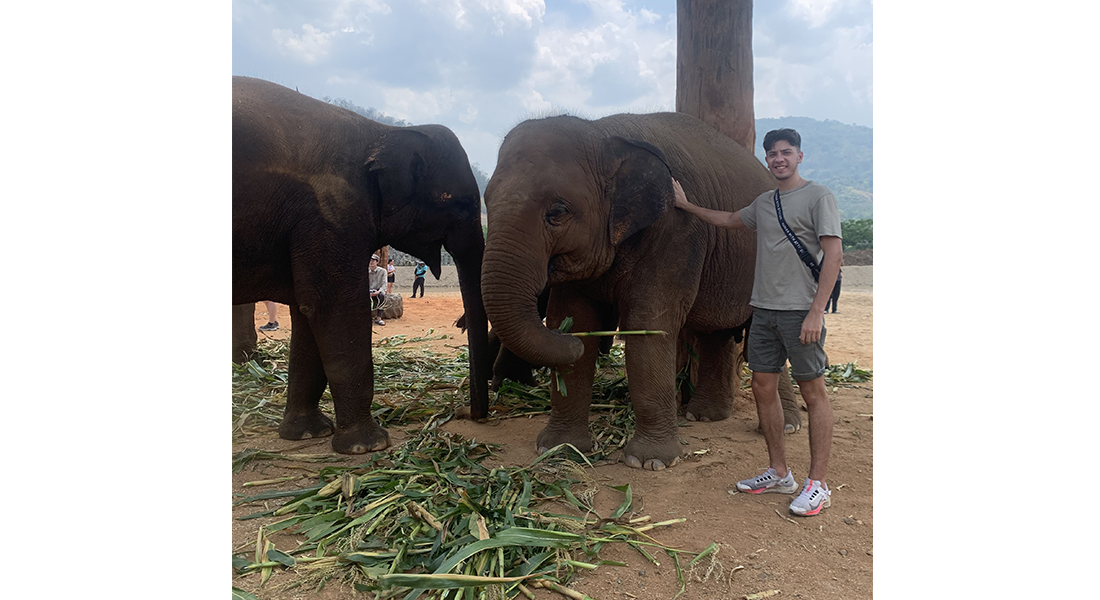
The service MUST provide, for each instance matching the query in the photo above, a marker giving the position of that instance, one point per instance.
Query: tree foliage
(858, 234)
(370, 113)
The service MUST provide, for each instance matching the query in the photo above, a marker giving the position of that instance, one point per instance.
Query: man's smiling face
(783, 159)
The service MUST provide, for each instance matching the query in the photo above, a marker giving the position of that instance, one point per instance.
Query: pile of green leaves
(848, 373)
(428, 517)
(835, 375)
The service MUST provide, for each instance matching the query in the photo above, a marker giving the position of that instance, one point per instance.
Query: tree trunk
(714, 65)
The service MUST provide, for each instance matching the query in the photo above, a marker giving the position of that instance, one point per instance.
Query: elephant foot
(701, 410)
(579, 438)
(361, 438)
(788, 426)
(307, 426)
(792, 420)
(640, 454)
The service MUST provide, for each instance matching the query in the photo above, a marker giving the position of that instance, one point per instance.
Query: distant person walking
(391, 276)
(419, 281)
(836, 292)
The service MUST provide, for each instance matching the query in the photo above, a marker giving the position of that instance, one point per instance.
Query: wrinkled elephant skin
(586, 207)
(316, 190)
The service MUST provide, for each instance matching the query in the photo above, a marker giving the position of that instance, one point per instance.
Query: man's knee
(765, 386)
(813, 391)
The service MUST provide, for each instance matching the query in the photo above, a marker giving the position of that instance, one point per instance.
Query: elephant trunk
(466, 246)
(511, 284)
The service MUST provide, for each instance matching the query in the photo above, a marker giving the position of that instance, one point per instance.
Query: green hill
(834, 154)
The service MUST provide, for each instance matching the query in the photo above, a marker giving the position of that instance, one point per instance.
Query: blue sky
(481, 66)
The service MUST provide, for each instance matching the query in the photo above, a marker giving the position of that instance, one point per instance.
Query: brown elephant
(587, 208)
(316, 189)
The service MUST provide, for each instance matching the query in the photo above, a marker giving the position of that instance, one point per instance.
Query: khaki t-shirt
(782, 281)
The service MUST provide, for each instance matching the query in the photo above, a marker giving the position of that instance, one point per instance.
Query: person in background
(836, 290)
(272, 324)
(391, 276)
(419, 281)
(377, 277)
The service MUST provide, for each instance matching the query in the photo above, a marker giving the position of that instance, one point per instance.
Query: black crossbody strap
(803, 253)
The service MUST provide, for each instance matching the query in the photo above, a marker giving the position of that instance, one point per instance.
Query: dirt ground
(762, 547)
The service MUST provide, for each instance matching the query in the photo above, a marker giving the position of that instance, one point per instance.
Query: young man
(377, 283)
(788, 312)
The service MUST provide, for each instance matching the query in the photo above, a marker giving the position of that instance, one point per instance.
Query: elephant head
(430, 199)
(562, 201)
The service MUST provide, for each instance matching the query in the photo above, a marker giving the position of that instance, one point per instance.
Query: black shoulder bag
(803, 253)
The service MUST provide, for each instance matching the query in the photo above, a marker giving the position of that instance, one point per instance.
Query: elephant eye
(557, 213)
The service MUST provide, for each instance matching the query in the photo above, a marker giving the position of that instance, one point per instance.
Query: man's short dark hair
(788, 135)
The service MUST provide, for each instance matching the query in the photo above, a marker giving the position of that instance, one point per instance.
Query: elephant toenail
(632, 462)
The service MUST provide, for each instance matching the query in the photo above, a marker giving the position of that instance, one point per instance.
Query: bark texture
(714, 65)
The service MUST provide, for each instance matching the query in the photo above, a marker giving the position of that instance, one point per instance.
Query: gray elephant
(316, 190)
(587, 208)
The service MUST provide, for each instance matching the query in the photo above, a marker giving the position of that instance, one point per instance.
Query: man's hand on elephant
(811, 327)
(678, 194)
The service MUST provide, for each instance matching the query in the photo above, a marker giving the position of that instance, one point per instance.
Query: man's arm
(830, 267)
(718, 218)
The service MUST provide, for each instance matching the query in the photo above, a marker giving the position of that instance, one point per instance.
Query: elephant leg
(510, 366)
(792, 416)
(244, 332)
(306, 381)
(650, 369)
(569, 411)
(687, 363)
(344, 339)
(719, 378)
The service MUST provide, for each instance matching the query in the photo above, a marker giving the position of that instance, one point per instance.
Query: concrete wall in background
(857, 276)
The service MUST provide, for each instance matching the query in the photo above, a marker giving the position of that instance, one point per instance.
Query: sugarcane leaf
(280, 557)
(625, 506)
(239, 594)
(561, 382)
(518, 536)
(566, 324)
(442, 581)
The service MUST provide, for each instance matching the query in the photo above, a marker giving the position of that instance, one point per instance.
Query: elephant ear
(397, 162)
(640, 190)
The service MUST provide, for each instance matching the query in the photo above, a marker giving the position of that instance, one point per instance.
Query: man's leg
(769, 410)
(821, 425)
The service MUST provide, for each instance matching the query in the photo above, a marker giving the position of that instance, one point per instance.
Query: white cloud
(470, 115)
(816, 12)
(312, 45)
(417, 106)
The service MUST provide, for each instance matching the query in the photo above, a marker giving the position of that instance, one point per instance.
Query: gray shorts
(773, 339)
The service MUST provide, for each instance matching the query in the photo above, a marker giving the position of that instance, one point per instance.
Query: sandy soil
(762, 548)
